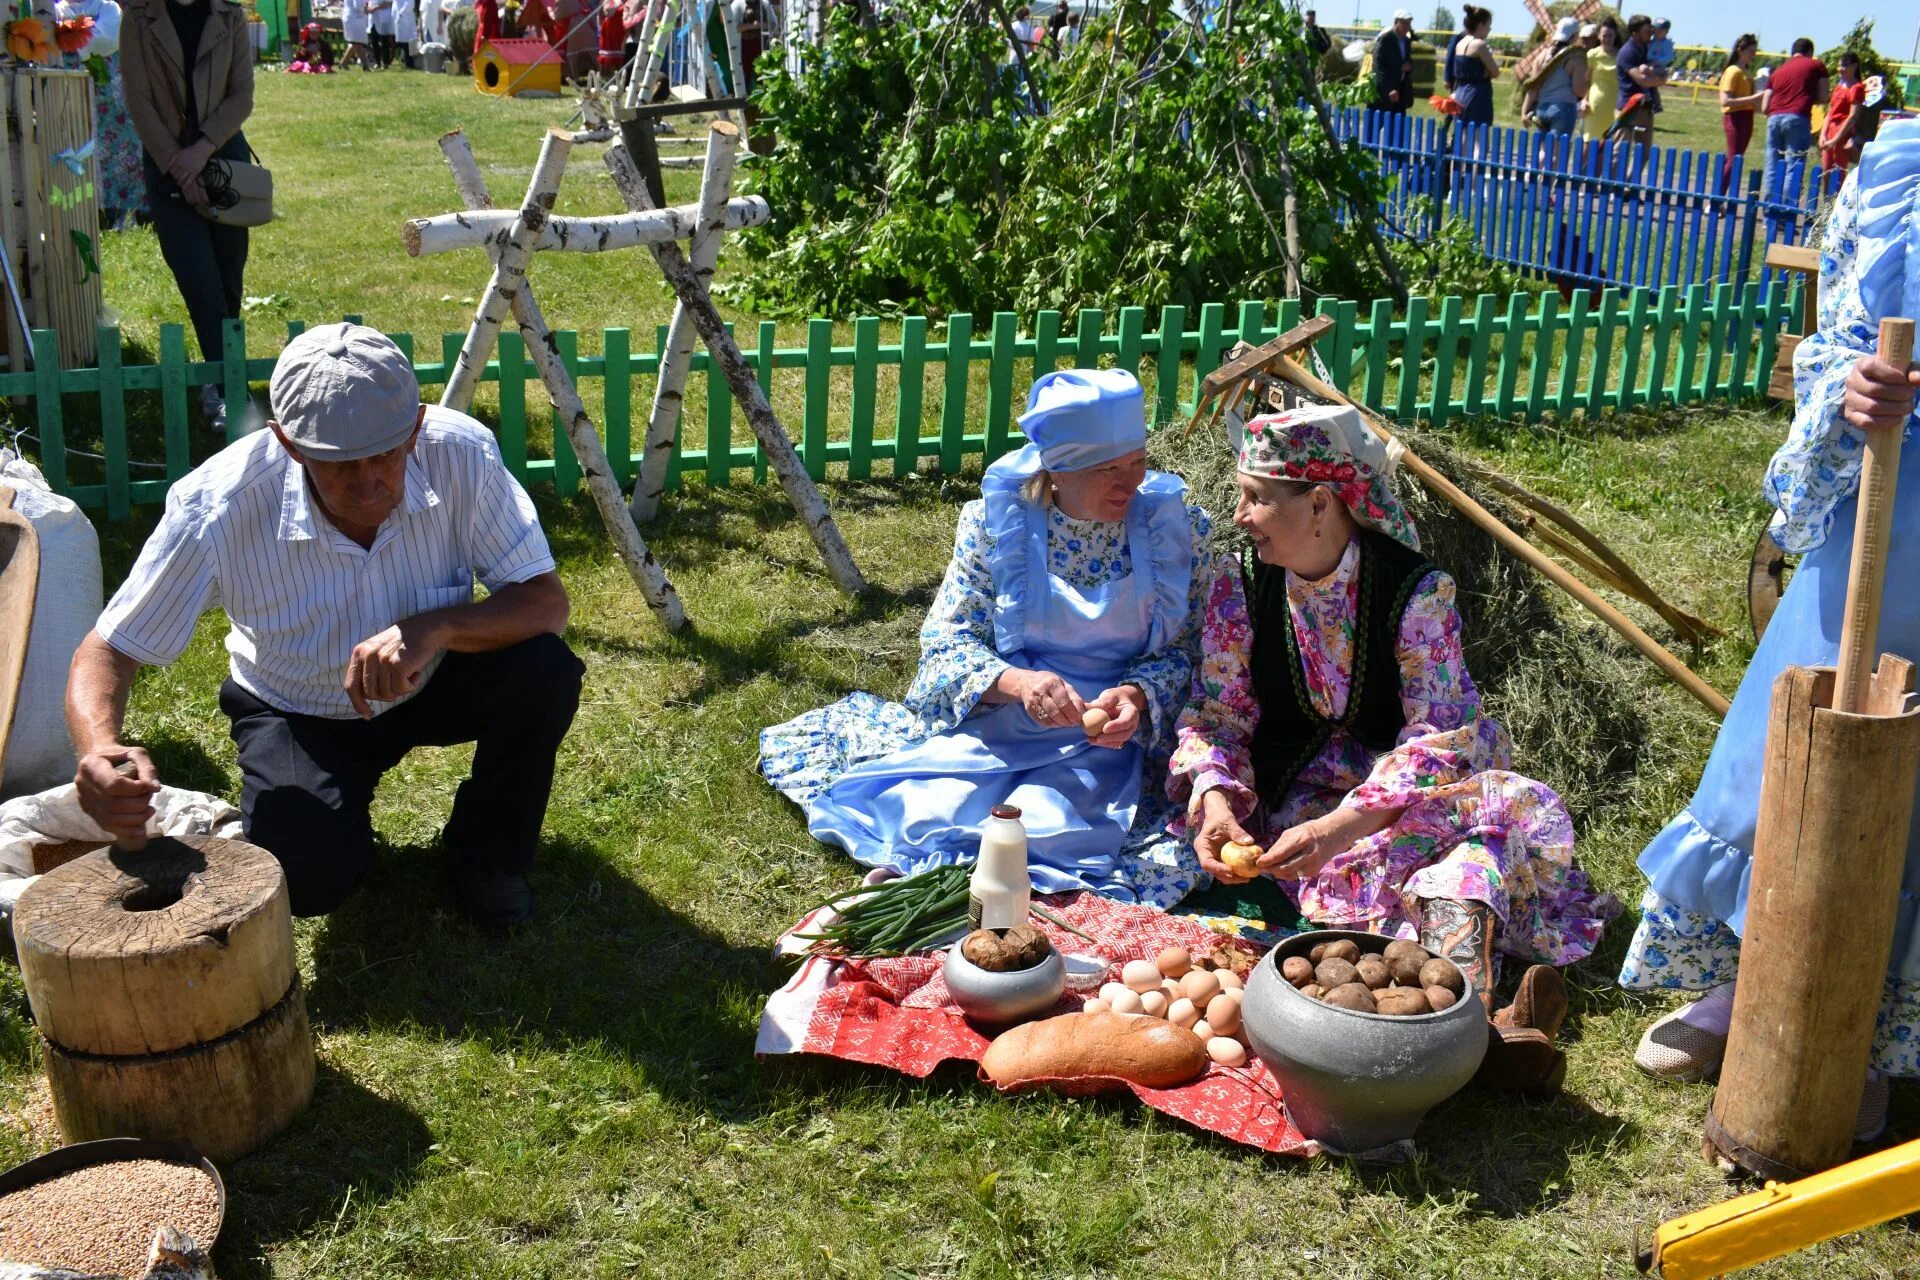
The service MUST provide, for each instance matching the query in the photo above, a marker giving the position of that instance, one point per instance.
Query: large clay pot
(1357, 1081)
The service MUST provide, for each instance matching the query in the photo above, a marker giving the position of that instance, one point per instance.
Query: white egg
(1141, 975)
(1128, 1002)
(1202, 1030)
(1172, 987)
(1183, 1013)
(1095, 1005)
(1113, 991)
(1154, 1003)
(1228, 1053)
(1229, 980)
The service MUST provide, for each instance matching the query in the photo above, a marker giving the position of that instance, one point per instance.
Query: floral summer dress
(123, 186)
(1471, 830)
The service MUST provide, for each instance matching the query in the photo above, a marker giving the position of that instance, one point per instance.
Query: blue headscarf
(1080, 418)
(1889, 248)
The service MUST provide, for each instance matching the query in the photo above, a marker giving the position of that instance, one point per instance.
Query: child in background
(312, 58)
(1660, 51)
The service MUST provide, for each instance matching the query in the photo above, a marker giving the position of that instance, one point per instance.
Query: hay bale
(1575, 697)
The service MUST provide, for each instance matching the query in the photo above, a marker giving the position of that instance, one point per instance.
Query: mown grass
(582, 1100)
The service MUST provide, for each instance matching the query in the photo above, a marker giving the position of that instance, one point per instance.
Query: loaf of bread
(1095, 1046)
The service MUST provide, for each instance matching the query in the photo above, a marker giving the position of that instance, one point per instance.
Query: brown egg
(1229, 980)
(1226, 1052)
(1223, 1013)
(1128, 1001)
(1095, 722)
(1200, 986)
(1183, 1013)
(1174, 962)
(1202, 1029)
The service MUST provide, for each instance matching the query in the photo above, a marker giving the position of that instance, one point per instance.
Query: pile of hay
(1576, 698)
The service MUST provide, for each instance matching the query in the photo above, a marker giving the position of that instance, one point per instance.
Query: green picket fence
(1517, 358)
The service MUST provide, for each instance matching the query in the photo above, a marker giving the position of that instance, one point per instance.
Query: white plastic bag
(65, 607)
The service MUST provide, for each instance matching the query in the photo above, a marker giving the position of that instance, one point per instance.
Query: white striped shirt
(242, 532)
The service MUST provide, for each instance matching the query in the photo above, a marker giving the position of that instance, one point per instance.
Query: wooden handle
(1872, 531)
(131, 844)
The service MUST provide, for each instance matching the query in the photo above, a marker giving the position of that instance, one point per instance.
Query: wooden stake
(1675, 670)
(646, 572)
(1872, 534)
(726, 355)
(670, 387)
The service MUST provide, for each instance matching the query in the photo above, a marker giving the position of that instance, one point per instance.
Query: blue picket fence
(1589, 212)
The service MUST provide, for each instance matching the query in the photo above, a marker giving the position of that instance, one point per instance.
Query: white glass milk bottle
(998, 894)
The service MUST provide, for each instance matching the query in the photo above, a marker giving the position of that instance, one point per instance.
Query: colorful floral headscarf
(1331, 445)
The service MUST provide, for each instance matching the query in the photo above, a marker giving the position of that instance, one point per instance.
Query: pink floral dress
(1470, 829)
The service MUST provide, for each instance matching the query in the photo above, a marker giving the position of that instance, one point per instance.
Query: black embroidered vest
(1291, 732)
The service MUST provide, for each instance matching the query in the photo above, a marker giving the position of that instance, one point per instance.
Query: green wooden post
(513, 401)
(1213, 319)
(1289, 317)
(1542, 356)
(1133, 326)
(766, 360)
(173, 399)
(1689, 343)
(1166, 363)
(866, 389)
(1779, 306)
(1513, 340)
(1596, 392)
(1478, 353)
(1252, 322)
(48, 415)
(1720, 316)
(1006, 332)
(450, 344)
(1046, 343)
(953, 398)
(1088, 326)
(616, 401)
(1745, 319)
(1631, 346)
(1379, 352)
(719, 420)
(113, 421)
(913, 385)
(233, 370)
(1411, 357)
(1446, 349)
(813, 448)
(1662, 343)
(1346, 320)
(566, 467)
(1571, 354)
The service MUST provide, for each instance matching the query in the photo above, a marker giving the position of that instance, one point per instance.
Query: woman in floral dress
(116, 152)
(1334, 725)
(1698, 868)
(1073, 585)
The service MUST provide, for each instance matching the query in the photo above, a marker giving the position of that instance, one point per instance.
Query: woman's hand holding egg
(1113, 717)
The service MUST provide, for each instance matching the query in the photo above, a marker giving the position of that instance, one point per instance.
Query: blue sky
(1707, 22)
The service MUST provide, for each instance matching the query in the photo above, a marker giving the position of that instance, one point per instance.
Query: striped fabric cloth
(241, 531)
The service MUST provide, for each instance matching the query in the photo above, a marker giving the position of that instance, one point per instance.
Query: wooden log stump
(225, 1097)
(143, 953)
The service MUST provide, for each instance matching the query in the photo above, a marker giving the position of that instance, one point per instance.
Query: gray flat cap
(344, 391)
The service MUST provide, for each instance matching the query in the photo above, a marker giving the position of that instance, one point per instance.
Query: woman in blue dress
(1074, 584)
(1472, 67)
(1699, 867)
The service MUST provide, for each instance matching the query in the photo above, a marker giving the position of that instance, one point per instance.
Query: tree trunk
(646, 572)
(670, 386)
(1369, 215)
(773, 437)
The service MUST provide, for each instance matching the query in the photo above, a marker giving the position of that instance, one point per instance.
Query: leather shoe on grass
(1540, 1002)
(1522, 1060)
(497, 901)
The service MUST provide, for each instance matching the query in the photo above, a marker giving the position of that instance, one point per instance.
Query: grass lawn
(582, 1100)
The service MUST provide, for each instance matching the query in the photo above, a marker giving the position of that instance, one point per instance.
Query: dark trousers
(383, 48)
(208, 260)
(307, 782)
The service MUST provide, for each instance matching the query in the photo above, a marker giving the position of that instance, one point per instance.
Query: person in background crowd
(122, 187)
(486, 25)
(189, 82)
(1318, 41)
(1839, 148)
(382, 43)
(1660, 51)
(1472, 67)
(356, 27)
(406, 31)
(1557, 98)
(343, 544)
(1603, 47)
(613, 37)
(1393, 65)
(1638, 77)
(1795, 86)
(1738, 99)
(311, 58)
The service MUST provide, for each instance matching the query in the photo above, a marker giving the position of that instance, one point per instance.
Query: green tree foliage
(1442, 19)
(1859, 40)
(913, 173)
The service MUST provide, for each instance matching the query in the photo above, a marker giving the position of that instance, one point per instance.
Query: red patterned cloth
(897, 1014)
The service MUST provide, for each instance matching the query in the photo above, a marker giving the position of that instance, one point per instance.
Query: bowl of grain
(95, 1207)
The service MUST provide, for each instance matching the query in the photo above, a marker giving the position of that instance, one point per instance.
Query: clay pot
(1357, 1081)
(1000, 998)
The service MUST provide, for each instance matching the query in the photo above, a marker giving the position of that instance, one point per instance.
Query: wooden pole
(646, 571)
(1866, 577)
(641, 64)
(1675, 670)
(726, 355)
(736, 67)
(670, 386)
(487, 229)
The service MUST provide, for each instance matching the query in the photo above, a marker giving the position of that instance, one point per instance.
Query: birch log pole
(639, 65)
(670, 387)
(595, 470)
(697, 37)
(488, 228)
(736, 68)
(746, 389)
